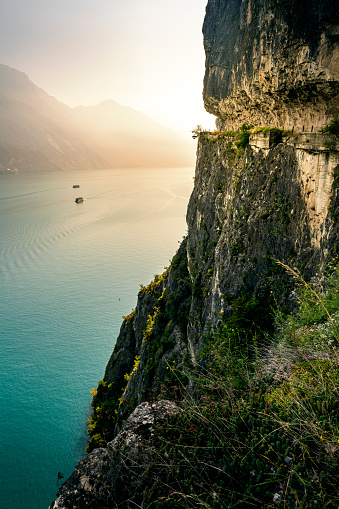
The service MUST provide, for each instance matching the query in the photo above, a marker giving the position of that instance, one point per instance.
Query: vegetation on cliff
(241, 333)
(259, 421)
(262, 428)
(332, 129)
(139, 369)
(239, 342)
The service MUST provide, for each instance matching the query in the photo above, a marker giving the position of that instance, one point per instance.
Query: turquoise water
(68, 272)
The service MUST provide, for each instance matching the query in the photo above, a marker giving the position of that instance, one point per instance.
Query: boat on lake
(79, 199)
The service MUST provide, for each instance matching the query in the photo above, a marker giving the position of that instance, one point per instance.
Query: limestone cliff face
(272, 63)
(252, 206)
(112, 477)
(273, 196)
(248, 207)
(152, 339)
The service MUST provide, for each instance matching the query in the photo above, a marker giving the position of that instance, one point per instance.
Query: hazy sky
(147, 54)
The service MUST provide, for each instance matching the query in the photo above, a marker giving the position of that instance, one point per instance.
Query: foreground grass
(261, 427)
(258, 425)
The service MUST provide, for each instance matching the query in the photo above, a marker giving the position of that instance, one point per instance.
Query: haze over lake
(68, 274)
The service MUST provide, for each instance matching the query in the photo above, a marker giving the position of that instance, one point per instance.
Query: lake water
(68, 273)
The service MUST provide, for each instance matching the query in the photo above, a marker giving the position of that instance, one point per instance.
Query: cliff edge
(235, 344)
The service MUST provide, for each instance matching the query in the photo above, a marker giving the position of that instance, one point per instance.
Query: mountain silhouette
(40, 133)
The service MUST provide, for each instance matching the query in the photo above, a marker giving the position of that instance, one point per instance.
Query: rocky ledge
(103, 473)
(272, 63)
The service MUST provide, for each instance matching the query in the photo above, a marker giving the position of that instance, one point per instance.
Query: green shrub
(244, 136)
(332, 129)
(250, 435)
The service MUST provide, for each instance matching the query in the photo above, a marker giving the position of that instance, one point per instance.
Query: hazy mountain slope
(37, 132)
(127, 137)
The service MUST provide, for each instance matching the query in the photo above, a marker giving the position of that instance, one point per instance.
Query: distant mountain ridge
(39, 133)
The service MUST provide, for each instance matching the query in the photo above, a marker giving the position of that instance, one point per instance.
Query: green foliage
(236, 248)
(332, 129)
(264, 215)
(264, 129)
(128, 376)
(177, 302)
(244, 136)
(155, 283)
(129, 317)
(228, 134)
(252, 436)
(315, 307)
(172, 311)
(172, 308)
(240, 139)
(260, 422)
(276, 134)
(219, 186)
(101, 422)
(259, 426)
(250, 316)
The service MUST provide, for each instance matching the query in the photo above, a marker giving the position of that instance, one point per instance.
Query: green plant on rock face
(250, 435)
(236, 248)
(128, 376)
(276, 134)
(155, 283)
(259, 424)
(307, 400)
(129, 317)
(313, 306)
(332, 129)
(101, 422)
(264, 215)
(244, 136)
(228, 134)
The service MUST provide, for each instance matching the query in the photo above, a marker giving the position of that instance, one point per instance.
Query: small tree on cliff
(197, 131)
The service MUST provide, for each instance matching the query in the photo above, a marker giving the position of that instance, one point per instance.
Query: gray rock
(272, 63)
(101, 474)
(239, 218)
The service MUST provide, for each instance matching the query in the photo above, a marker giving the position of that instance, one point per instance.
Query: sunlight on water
(68, 273)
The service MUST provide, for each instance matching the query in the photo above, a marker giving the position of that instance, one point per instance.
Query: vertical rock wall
(273, 198)
(249, 207)
(272, 63)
